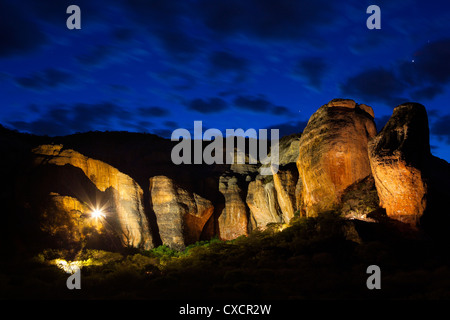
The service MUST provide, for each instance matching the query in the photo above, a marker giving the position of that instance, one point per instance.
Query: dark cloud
(421, 78)
(166, 20)
(205, 106)
(49, 78)
(290, 127)
(183, 27)
(119, 88)
(19, 33)
(266, 19)
(171, 124)
(259, 103)
(431, 61)
(224, 62)
(122, 34)
(176, 78)
(280, 110)
(97, 55)
(157, 12)
(253, 103)
(441, 128)
(179, 44)
(153, 112)
(427, 93)
(312, 69)
(430, 72)
(376, 84)
(67, 119)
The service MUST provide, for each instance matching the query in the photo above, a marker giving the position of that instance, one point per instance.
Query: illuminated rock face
(399, 156)
(288, 190)
(333, 153)
(125, 208)
(68, 222)
(181, 215)
(263, 205)
(233, 219)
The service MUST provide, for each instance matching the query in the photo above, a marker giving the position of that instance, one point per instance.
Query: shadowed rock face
(399, 157)
(181, 215)
(333, 153)
(124, 200)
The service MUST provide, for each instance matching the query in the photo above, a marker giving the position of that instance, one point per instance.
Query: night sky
(154, 66)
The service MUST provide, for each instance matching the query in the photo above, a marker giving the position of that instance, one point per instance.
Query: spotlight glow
(97, 213)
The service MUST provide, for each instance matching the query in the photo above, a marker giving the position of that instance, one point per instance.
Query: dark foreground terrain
(313, 258)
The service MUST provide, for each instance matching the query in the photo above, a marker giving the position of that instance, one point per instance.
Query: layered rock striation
(333, 153)
(233, 221)
(262, 202)
(181, 214)
(400, 157)
(338, 163)
(124, 197)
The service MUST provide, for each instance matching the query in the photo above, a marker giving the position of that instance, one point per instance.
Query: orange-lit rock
(181, 215)
(125, 203)
(233, 220)
(333, 153)
(68, 222)
(399, 154)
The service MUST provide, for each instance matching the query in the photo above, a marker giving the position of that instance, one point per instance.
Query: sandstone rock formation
(68, 222)
(262, 202)
(233, 220)
(360, 200)
(333, 153)
(181, 215)
(126, 212)
(399, 156)
(331, 165)
(286, 179)
(288, 189)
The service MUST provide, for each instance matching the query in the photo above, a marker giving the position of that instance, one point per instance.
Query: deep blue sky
(154, 66)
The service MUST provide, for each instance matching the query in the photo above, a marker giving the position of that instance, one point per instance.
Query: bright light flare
(97, 213)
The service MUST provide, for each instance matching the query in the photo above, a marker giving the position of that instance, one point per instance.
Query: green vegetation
(313, 258)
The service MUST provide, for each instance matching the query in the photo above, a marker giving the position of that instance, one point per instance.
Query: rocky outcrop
(288, 190)
(333, 153)
(69, 223)
(124, 196)
(262, 202)
(286, 179)
(331, 165)
(181, 215)
(400, 156)
(360, 200)
(233, 220)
